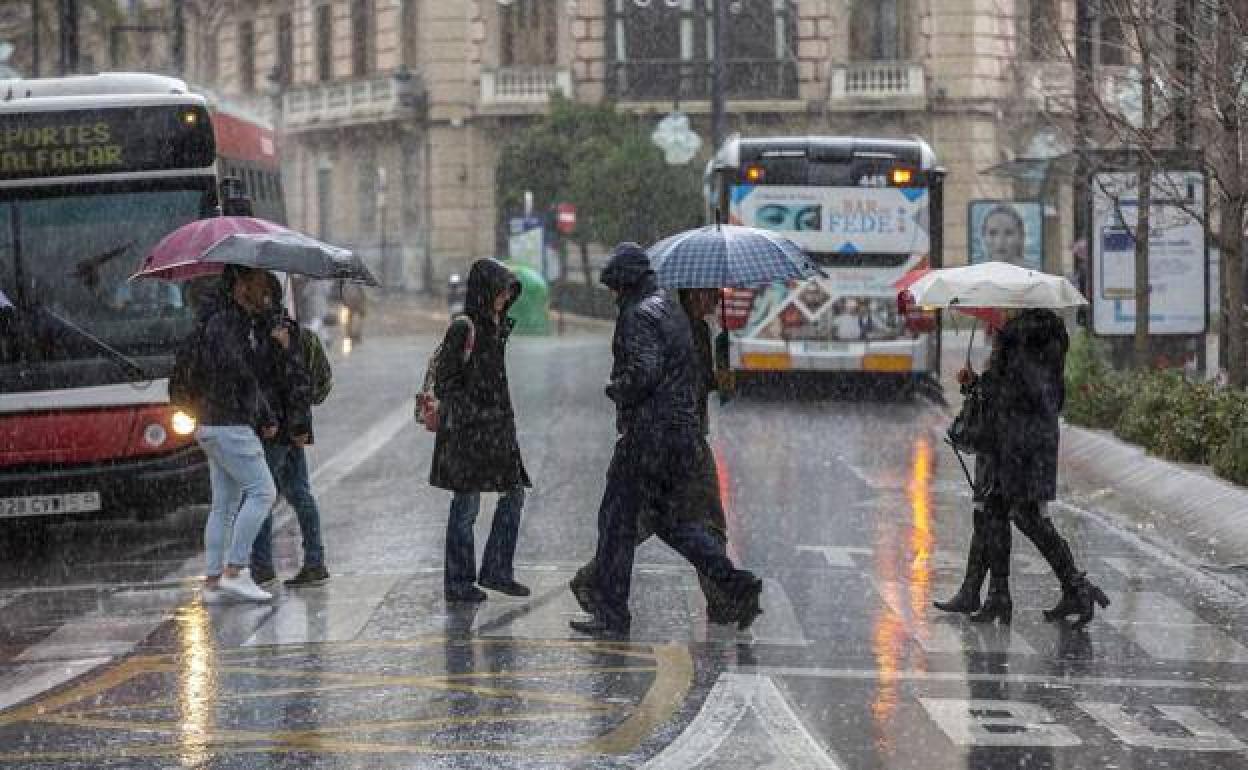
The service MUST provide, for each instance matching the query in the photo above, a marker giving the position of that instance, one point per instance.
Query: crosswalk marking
(334, 612)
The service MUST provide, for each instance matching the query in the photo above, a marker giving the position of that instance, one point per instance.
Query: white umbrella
(994, 285)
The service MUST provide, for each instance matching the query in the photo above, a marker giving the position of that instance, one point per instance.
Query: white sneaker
(244, 587)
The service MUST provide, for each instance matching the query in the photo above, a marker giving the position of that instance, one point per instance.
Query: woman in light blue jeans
(241, 483)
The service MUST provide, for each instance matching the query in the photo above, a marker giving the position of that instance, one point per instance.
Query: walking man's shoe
(750, 606)
(262, 576)
(308, 576)
(465, 594)
(598, 627)
(509, 587)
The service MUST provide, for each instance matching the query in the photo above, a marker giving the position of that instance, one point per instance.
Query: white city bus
(94, 170)
(869, 212)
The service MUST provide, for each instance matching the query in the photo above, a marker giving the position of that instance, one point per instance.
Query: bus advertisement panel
(845, 208)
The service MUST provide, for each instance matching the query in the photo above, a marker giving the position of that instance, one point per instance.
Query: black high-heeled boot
(1067, 605)
(966, 600)
(998, 605)
(1079, 597)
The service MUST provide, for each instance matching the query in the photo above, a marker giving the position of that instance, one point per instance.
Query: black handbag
(974, 430)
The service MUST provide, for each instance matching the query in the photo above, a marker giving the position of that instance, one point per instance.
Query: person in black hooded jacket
(659, 453)
(476, 449)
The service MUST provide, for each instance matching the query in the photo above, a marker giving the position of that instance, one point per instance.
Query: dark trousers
(700, 503)
(637, 482)
(1029, 517)
(288, 465)
(500, 548)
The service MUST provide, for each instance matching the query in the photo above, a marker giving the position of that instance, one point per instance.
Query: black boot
(966, 600)
(1080, 597)
(1067, 605)
(998, 605)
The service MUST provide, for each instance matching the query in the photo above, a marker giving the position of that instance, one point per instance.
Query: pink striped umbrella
(177, 256)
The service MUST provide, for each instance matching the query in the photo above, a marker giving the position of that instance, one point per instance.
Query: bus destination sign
(106, 141)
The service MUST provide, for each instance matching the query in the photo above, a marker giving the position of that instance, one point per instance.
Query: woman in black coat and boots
(1025, 386)
(476, 449)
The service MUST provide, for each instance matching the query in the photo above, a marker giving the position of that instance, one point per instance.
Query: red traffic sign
(565, 217)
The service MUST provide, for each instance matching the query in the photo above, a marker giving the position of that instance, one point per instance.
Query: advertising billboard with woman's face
(1007, 231)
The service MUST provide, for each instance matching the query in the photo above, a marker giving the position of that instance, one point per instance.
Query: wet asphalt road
(846, 503)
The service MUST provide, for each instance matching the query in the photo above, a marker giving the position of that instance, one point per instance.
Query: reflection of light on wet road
(347, 345)
(888, 636)
(919, 493)
(891, 636)
(197, 694)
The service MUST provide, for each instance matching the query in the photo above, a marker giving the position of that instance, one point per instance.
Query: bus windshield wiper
(128, 364)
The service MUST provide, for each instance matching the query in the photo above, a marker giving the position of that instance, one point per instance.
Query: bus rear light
(737, 305)
(920, 321)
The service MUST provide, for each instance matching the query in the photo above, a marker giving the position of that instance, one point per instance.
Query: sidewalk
(1179, 507)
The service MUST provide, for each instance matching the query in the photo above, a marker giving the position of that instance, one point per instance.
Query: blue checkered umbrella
(728, 256)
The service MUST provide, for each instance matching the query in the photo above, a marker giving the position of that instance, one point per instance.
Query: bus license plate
(49, 505)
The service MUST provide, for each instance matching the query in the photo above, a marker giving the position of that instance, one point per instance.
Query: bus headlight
(183, 424)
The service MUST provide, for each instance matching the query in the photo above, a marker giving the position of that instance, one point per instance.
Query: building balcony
(522, 90)
(878, 85)
(353, 102)
(670, 80)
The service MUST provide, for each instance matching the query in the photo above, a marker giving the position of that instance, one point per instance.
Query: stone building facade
(392, 112)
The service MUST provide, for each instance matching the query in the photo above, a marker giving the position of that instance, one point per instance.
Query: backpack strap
(470, 342)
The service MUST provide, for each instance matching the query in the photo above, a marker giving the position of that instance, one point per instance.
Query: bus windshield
(66, 256)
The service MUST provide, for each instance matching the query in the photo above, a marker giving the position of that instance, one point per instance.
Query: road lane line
(733, 697)
(962, 677)
(353, 455)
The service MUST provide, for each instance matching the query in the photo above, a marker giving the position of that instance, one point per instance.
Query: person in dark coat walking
(1024, 381)
(287, 385)
(476, 449)
(701, 501)
(659, 453)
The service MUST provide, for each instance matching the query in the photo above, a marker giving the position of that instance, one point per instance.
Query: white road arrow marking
(733, 697)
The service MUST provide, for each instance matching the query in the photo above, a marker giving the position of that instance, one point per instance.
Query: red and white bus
(94, 170)
(869, 212)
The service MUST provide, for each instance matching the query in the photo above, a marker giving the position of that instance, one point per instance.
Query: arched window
(878, 30)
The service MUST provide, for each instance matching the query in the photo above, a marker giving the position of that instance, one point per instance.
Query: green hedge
(1161, 411)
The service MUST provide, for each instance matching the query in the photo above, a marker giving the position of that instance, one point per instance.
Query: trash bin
(532, 310)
